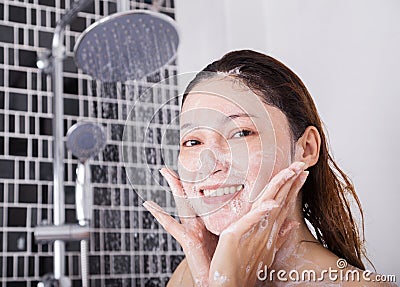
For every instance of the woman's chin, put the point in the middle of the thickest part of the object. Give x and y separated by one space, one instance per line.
216 223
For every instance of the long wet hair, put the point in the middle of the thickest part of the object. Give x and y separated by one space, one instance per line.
327 192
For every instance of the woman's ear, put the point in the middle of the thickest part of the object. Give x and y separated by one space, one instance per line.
308 146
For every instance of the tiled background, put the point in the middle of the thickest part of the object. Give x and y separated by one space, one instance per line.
127 247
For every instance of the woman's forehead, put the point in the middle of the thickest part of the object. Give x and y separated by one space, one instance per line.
225 95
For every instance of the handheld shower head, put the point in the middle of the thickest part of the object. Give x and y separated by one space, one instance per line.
127 45
85 140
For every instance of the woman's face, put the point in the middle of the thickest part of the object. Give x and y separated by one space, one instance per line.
231 145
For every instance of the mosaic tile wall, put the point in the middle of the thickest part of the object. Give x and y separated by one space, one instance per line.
127 246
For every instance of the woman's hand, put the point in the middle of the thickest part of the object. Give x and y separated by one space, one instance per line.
197 242
252 242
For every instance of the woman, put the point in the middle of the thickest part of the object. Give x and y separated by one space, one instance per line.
254 168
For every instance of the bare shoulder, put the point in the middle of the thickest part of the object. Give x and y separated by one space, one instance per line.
181 276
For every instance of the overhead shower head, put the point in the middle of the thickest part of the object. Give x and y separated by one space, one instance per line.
127 46
85 140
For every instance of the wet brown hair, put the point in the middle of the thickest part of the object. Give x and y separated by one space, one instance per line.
327 191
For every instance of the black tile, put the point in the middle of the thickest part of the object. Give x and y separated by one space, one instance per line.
1 55
1 145
22 124
28 193
94 265
71 107
111 153
44 104
11 123
45 39
1 192
149 222
7 168
27 58
89 9
18 79
11 52
10 192
70 216
17 216
46 171
45 194
18 146
1 100
122 264
69 194
50 3
150 242
78 25
33 16
6 34
102 196
17 14
32 125
112 218
69 65
31 38
10 267
21 168
18 102
53 19
31 266
35 148
70 85
112 7
16 241
152 282
45 126
99 174
113 282
112 241
45 264
34 103
20 36
20 269
1 11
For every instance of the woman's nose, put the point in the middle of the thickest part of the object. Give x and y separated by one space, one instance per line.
213 160
208 161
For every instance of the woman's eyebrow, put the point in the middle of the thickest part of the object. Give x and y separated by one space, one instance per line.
230 117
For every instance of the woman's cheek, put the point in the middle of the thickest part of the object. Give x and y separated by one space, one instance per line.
188 165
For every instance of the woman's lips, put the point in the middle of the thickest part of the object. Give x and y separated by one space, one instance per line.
221 195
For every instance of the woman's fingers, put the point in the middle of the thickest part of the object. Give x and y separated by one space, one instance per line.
181 200
173 181
279 180
284 233
280 234
168 222
246 224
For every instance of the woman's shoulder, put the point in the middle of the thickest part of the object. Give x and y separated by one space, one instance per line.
181 276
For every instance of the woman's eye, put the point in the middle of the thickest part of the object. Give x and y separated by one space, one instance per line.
190 143
242 133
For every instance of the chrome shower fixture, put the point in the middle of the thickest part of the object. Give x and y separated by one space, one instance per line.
127 45
85 140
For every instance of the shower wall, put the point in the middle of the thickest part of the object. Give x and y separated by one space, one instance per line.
127 246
